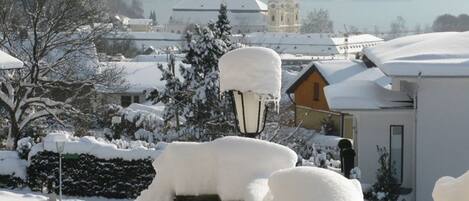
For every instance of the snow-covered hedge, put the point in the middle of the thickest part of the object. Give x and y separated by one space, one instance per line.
92 167
12 170
87 175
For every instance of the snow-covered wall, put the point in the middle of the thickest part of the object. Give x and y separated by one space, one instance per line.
373 129
226 167
11 164
442 132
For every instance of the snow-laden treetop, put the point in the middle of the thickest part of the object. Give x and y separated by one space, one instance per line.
252 69
434 54
9 62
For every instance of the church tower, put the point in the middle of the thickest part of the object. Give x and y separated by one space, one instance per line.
283 16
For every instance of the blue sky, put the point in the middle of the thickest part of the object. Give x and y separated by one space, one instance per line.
364 14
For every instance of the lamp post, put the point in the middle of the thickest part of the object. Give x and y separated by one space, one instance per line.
60 149
253 77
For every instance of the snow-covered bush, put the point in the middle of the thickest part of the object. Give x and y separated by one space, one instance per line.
225 167
94 167
355 173
303 141
24 146
105 114
452 189
386 187
310 183
87 175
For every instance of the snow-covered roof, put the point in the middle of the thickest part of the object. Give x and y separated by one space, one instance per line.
251 69
255 5
364 95
434 54
132 21
316 44
9 62
336 71
141 76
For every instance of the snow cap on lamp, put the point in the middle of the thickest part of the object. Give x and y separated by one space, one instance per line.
252 69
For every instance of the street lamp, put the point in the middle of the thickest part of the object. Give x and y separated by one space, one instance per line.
252 75
250 112
60 145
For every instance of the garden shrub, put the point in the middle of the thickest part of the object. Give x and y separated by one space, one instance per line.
87 175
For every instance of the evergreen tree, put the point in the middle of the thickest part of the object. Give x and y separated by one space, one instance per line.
153 17
223 27
196 97
386 188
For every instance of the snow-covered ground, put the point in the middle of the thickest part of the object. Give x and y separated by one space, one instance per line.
27 195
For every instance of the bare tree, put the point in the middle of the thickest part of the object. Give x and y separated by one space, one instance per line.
418 29
317 21
398 27
54 39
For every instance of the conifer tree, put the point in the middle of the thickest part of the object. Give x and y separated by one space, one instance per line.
386 188
223 27
196 96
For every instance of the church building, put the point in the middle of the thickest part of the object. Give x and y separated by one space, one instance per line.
246 16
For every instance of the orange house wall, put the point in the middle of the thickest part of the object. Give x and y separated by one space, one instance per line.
304 93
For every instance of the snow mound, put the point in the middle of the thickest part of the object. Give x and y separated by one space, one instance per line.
231 167
252 69
452 189
11 164
310 183
92 146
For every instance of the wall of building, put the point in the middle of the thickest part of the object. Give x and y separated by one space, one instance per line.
442 131
372 130
311 119
283 16
304 93
115 98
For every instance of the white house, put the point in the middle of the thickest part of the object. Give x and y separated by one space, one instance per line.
140 77
245 16
422 120
315 44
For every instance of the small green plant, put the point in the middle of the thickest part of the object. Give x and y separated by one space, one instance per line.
386 188
328 124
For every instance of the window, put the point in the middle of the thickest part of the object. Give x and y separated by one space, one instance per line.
316 91
126 101
136 99
281 18
273 18
396 150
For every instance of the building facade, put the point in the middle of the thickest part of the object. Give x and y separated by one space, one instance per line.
284 16
246 16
